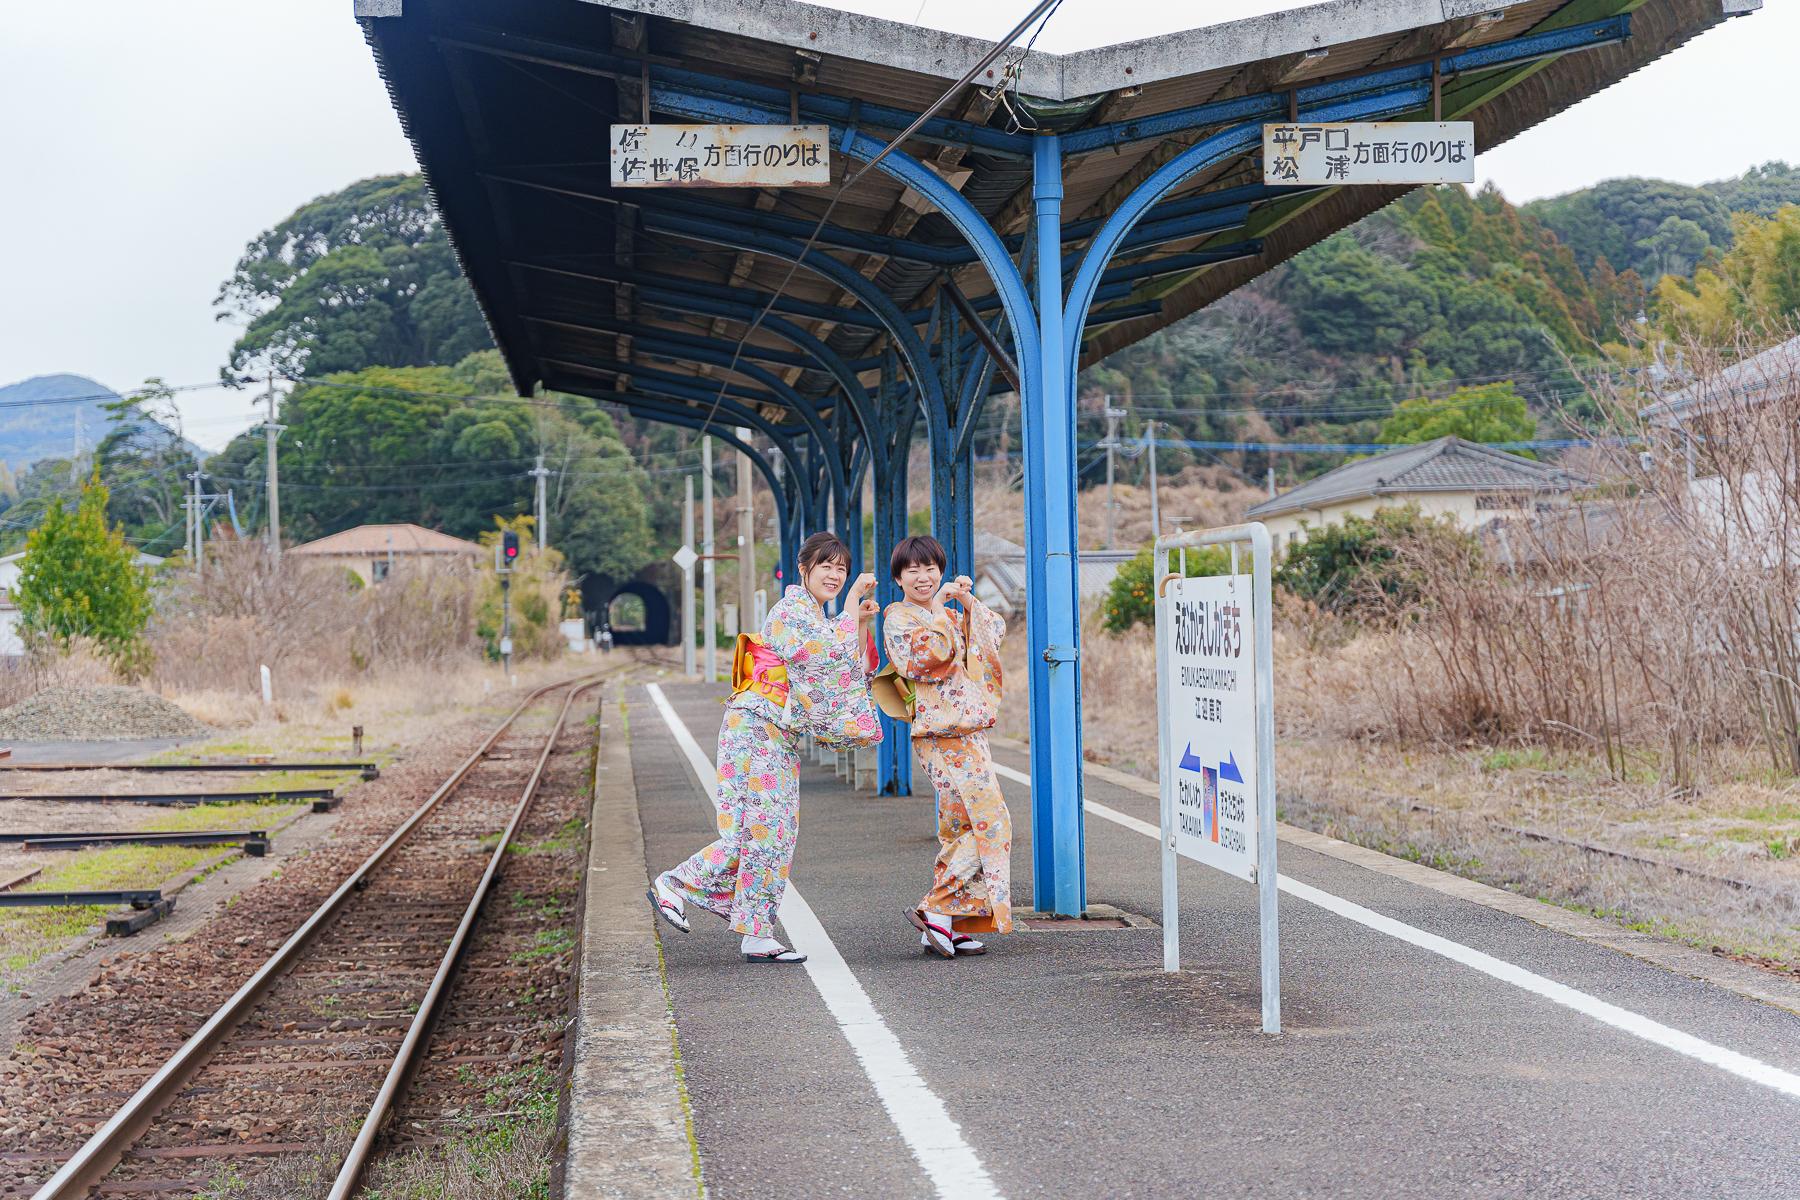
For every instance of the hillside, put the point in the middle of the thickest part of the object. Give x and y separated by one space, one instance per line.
1440 290
33 426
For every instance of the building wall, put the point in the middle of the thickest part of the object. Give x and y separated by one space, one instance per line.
1470 510
371 568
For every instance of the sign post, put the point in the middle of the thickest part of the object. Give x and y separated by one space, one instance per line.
721 156
1369 152
1215 708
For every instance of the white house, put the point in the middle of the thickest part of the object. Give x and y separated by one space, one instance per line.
1469 482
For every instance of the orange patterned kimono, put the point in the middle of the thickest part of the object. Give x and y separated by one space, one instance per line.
972 881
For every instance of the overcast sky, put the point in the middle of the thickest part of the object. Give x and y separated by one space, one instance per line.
144 142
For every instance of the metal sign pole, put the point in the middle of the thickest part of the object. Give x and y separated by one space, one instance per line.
1267 878
1199 631
1171 906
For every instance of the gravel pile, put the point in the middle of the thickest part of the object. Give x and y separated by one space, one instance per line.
102 714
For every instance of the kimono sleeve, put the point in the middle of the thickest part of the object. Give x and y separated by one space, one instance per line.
996 624
828 678
922 646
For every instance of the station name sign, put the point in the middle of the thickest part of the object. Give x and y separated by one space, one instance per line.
721 155
1369 152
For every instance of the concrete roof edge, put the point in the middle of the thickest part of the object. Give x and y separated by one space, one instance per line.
1052 76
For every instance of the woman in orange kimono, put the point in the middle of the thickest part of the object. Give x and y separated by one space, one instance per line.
928 643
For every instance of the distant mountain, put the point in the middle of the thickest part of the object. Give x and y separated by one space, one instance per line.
1658 228
38 417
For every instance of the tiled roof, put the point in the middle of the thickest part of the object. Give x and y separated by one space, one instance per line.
1448 464
1752 378
376 540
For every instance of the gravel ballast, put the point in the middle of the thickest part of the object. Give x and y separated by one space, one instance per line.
102 713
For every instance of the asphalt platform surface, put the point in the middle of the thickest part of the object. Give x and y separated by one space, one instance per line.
1073 1066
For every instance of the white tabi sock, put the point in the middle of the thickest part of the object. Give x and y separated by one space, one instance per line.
760 945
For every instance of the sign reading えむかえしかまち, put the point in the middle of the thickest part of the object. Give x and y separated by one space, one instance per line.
1369 152
1209 737
721 156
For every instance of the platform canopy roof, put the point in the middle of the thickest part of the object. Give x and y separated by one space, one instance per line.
508 104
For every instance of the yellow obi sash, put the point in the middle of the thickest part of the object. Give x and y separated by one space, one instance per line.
756 668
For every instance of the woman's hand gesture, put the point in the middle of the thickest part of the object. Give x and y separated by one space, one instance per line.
861 591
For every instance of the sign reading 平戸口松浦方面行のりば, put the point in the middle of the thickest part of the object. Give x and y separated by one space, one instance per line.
721 156
1369 152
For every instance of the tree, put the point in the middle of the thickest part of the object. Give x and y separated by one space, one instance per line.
1488 413
145 458
1755 285
1355 563
1131 597
360 278
80 580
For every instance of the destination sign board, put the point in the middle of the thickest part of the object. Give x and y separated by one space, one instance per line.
1369 152
1209 745
721 155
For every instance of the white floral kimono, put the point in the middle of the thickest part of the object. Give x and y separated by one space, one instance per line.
811 675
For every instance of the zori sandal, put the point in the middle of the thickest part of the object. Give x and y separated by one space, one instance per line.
937 939
781 954
668 911
966 944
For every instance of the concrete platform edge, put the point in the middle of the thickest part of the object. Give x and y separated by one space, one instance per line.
1726 973
630 1128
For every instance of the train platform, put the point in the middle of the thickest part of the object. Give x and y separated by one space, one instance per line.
1440 1038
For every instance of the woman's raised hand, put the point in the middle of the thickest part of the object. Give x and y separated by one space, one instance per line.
868 608
862 590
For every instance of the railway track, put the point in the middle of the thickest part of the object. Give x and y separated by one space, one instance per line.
328 1033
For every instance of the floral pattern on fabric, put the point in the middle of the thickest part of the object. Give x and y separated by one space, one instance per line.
827 673
743 874
972 880
928 648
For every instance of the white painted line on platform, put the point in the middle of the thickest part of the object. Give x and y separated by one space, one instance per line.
1741 1065
924 1123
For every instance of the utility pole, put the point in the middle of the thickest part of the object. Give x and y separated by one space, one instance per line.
1111 443
272 433
1271 481
687 583
1155 513
746 563
708 551
543 511
199 522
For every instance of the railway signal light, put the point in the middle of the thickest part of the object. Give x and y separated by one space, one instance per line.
509 546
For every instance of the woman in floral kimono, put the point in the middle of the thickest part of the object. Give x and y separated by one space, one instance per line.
805 673
971 888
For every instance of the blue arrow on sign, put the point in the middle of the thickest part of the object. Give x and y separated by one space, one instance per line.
1229 770
1189 760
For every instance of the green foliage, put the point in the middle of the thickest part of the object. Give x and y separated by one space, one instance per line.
449 448
1754 285
1618 220
1354 564
1131 598
79 580
363 277
144 460
1490 412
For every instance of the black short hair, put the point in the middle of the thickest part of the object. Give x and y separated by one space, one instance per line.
913 551
823 547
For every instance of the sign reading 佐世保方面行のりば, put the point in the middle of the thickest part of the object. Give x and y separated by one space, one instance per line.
721 156
1370 152
1209 739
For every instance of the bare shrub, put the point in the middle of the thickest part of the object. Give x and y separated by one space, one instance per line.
308 621
1655 616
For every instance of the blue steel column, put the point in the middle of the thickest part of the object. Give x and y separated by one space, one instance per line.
1059 853
893 765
